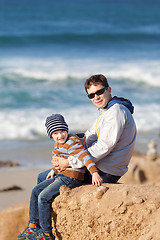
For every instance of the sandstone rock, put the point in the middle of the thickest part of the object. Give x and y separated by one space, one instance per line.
8 163
142 170
12 188
152 150
123 212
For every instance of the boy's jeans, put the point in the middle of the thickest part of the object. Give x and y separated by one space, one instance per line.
107 178
42 196
42 176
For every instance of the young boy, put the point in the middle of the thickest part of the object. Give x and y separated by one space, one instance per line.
40 224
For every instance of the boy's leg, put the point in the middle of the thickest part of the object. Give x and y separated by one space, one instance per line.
42 176
47 195
33 226
33 210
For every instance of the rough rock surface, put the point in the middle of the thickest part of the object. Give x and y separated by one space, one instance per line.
142 169
111 212
13 220
115 211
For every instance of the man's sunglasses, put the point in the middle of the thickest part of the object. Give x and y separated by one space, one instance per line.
98 92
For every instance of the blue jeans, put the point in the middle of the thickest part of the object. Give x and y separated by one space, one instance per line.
42 196
107 178
42 176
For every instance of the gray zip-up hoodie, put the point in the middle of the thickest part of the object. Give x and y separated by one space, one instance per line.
111 139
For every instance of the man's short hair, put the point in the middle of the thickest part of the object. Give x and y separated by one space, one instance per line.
95 80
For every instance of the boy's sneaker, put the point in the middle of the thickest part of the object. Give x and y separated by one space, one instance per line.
28 231
39 235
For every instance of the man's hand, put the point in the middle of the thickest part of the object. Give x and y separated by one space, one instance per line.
59 163
96 179
50 174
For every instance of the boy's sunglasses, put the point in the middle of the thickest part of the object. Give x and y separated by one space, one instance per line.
99 92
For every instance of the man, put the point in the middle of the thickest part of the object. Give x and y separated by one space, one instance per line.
111 139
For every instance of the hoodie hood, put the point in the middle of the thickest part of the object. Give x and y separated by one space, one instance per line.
127 103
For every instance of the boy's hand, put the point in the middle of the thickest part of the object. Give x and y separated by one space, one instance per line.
96 179
50 174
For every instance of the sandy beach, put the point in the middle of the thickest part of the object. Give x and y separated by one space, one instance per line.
22 178
31 158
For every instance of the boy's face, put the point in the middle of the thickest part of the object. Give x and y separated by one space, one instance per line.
60 136
100 101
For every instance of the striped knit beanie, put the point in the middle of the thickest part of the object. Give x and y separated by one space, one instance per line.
55 122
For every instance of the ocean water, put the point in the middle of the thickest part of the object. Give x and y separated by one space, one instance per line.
47 50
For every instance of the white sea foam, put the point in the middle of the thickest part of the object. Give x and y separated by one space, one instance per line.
148 117
29 124
18 122
147 72
53 69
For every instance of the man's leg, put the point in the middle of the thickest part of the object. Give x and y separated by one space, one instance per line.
108 178
87 177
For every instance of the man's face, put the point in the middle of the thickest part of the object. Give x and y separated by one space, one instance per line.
100 101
